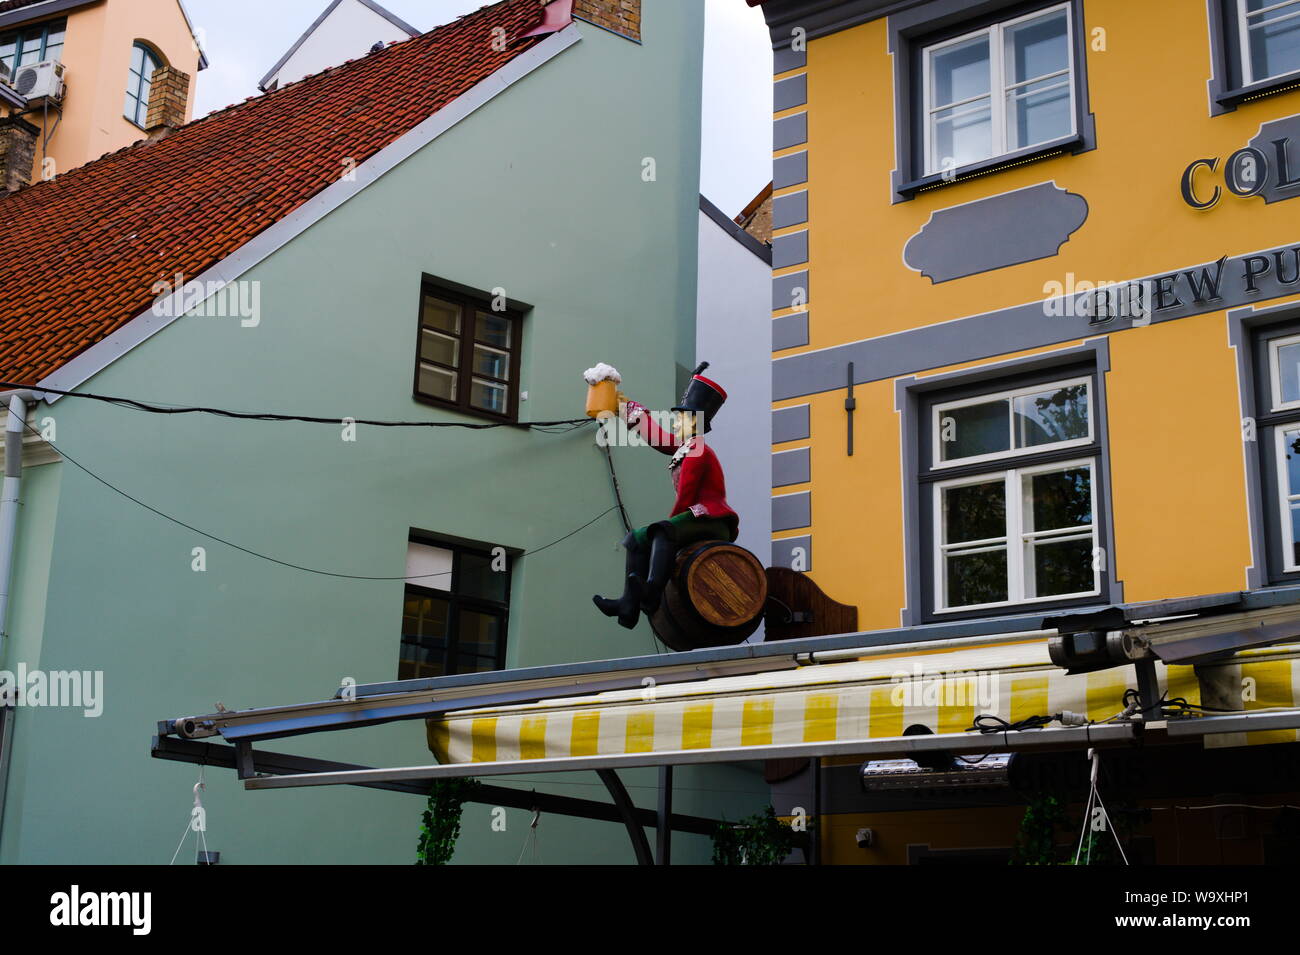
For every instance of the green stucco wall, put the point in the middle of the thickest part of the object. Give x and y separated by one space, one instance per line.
540 192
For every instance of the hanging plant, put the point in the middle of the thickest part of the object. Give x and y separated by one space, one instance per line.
440 823
761 839
1036 841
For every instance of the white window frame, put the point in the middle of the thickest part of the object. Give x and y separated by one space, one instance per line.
998 87
1285 497
1275 372
1248 77
1016 572
936 456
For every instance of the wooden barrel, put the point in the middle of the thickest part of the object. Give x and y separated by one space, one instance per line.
715 598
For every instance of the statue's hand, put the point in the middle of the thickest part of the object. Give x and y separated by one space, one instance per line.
633 411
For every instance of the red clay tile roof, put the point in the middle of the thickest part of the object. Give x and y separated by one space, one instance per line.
80 254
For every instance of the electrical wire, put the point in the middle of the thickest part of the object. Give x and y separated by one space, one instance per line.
560 426
267 557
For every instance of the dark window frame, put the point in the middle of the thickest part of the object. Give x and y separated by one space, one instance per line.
1267 423
911 31
458 601
470 301
927 475
139 83
1228 87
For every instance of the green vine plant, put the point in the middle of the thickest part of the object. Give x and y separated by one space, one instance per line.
760 839
1045 817
440 822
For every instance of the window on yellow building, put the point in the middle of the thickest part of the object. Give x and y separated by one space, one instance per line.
1006 87
1269 36
1014 497
1279 442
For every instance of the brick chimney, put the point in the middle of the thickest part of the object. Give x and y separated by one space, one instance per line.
618 16
17 153
167 99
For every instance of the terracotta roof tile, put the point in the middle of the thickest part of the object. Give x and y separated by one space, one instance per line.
82 251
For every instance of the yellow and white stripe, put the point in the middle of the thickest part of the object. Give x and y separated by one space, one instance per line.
859 699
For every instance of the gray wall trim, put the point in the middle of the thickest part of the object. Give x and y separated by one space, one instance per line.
790 92
1051 321
733 229
784 288
790 131
790 210
790 249
783 552
790 170
791 467
784 60
995 232
139 329
1219 82
1241 322
908 395
40 10
914 20
823 17
790 331
792 511
790 424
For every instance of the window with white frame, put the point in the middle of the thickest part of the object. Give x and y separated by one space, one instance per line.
1016 522
998 90
1268 32
1282 415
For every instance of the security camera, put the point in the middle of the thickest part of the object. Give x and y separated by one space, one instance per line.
866 838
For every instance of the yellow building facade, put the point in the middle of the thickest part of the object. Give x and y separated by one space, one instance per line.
1036 314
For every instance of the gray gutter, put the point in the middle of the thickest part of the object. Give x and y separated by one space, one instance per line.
390 17
15 421
729 226
11 96
39 10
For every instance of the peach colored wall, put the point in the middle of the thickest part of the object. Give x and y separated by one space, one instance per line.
97 54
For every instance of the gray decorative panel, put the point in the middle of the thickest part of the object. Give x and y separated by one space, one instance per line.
790 170
790 424
783 553
791 467
785 289
993 233
787 94
785 60
790 249
790 131
790 331
791 511
790 210
1266 142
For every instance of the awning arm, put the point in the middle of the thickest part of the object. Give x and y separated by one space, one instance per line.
1002 742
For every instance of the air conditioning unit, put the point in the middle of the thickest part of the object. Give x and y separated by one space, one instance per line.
39 81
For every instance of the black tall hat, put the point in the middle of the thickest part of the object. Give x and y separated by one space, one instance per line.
703 396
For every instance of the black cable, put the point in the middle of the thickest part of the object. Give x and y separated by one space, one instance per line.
561 426
275 560
988 723
618 493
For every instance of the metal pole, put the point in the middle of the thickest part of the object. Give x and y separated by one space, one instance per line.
15 421
664 834
628 811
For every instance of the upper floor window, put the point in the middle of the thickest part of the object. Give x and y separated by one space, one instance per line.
1269 34
455 611
139 83
468 355
1013 501
998 90
1278 423
33 44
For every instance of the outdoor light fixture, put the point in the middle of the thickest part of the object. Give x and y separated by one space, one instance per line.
884 775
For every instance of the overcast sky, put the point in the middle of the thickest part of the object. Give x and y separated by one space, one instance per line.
244 39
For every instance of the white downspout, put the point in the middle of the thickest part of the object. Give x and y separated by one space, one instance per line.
15 420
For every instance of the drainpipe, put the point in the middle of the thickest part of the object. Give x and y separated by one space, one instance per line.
14 422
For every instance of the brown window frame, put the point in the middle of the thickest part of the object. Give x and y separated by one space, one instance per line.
469 302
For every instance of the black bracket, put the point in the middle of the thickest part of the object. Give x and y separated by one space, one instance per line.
850 406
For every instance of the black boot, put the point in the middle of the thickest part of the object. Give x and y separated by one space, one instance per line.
663 555
628 607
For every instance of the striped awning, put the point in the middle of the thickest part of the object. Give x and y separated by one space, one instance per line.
878 695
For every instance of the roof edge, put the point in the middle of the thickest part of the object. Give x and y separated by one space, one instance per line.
149 322
733 229
368 4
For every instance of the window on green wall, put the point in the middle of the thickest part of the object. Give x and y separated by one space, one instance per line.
139 84
455 610
32 44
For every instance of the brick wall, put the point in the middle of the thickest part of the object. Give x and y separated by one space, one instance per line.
619 16
17 153
167 98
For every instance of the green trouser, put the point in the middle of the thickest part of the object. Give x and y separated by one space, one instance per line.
685 529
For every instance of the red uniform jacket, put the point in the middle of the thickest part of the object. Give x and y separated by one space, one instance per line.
697 473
